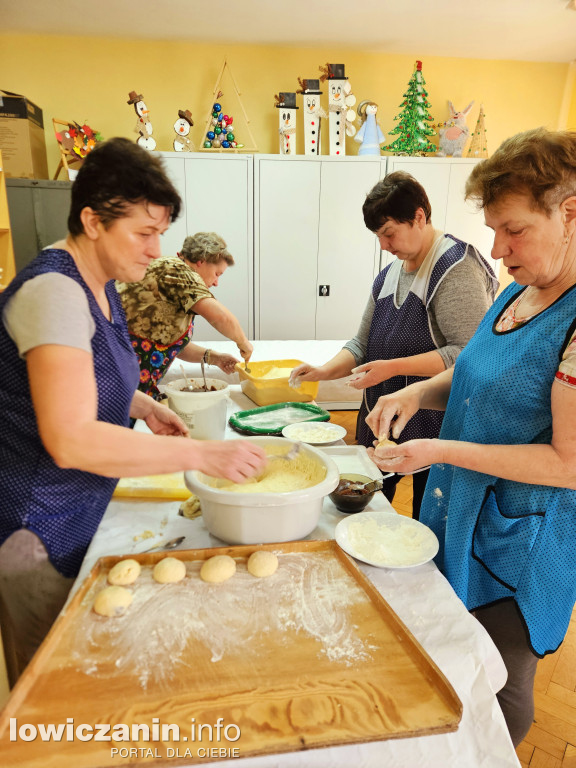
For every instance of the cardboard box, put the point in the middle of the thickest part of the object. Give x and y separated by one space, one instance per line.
22 137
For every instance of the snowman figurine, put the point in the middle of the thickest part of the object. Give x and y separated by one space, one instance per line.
313 114
286 106
340 101
143 125
182 128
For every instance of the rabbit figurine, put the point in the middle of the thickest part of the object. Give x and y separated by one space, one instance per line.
454 133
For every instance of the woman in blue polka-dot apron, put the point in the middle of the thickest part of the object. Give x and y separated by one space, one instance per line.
69 387
422 310
501 495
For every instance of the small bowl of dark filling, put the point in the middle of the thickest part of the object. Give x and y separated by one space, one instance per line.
352 494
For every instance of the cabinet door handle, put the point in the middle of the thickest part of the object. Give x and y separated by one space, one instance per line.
323 290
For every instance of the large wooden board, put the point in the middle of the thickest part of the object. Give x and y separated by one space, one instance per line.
309 657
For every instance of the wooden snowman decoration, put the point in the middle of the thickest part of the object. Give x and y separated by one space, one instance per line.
286 106
182 128
143 125
313 114
340 101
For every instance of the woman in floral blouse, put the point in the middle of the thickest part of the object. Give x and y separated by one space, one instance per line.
160 310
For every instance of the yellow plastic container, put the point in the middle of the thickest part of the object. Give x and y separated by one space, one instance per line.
268 391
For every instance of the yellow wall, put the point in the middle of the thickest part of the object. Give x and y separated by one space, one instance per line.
88 79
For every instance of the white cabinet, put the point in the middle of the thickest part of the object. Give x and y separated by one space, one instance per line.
305 261
217 193
314 259
444 180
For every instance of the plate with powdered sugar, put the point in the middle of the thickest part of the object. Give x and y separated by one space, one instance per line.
385 540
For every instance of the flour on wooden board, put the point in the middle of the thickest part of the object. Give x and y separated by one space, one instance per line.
305 595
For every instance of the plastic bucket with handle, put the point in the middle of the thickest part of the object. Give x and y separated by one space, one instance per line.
204 413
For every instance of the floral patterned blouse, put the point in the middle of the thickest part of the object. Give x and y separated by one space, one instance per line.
566 373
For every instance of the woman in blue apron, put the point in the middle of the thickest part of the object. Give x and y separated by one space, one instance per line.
69 388
501 495
422 310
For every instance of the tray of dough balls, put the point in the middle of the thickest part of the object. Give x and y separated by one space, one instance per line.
290 642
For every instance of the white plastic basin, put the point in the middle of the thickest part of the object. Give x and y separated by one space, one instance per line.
264 518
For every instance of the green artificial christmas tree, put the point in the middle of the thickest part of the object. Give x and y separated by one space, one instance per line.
412 130
479 145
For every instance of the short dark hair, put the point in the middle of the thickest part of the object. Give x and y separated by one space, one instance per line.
538 163
115 175
397 196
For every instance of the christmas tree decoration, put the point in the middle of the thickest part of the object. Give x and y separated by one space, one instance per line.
478 144
313 114
412 129
220 134
143 125
454 132
286 106
340 103
182 128
370 135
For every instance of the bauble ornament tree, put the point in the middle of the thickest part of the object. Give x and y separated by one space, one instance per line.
413 129
220 134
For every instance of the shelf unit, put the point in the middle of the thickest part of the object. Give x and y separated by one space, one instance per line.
7 266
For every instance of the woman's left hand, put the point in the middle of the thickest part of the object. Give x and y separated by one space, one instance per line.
163 421
370 374
226 363
406 457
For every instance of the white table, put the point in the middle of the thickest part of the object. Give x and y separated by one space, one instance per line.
424 601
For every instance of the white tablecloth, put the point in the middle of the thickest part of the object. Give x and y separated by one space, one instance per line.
424 601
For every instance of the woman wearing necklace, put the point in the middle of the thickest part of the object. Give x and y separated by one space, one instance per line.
421 312
501 496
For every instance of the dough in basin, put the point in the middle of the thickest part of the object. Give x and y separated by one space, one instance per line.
217 569
262 563
112 601
124 572
169 570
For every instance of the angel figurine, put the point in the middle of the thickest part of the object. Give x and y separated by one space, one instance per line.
369 136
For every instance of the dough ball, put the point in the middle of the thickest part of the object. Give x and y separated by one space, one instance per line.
169 570
112 601
217 569
385 441
262 563
190 508
124 572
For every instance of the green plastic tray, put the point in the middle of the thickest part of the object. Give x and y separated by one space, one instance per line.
271 419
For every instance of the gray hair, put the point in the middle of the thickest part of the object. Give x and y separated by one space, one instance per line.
206 246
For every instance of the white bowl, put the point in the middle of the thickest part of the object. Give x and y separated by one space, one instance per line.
314 432
264 518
